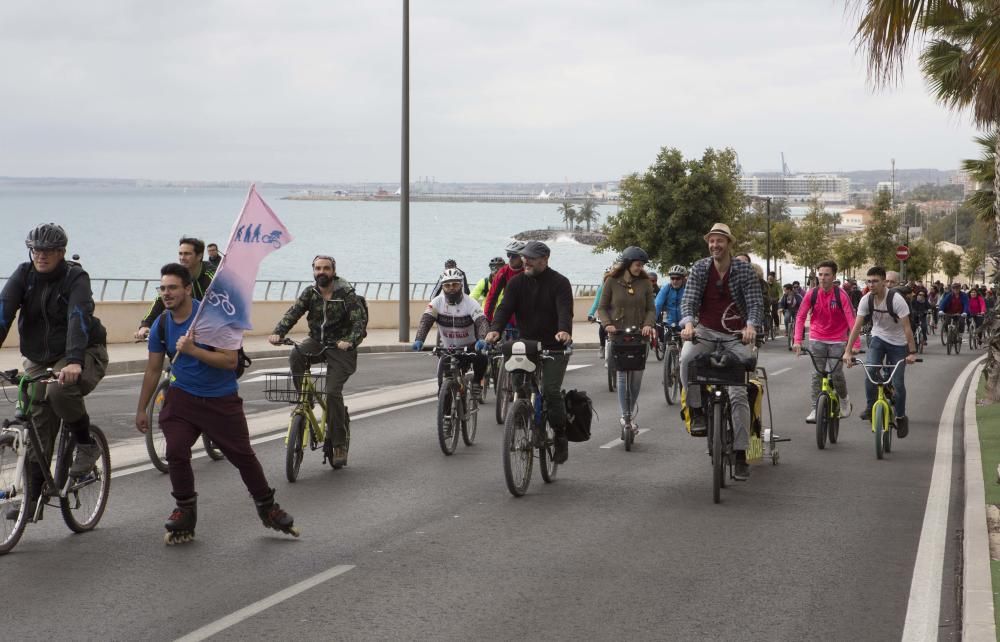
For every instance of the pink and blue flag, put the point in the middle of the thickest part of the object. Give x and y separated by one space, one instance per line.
225 311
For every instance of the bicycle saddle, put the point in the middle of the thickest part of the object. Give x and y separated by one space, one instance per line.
520 355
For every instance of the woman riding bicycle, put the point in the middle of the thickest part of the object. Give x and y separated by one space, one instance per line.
627 302
977 308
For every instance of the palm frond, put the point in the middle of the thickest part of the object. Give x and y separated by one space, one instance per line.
885 33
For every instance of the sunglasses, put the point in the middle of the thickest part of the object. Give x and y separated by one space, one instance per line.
676 278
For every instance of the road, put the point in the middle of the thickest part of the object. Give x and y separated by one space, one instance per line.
405 543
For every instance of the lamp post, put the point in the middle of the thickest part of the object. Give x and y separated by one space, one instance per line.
767 259
404 188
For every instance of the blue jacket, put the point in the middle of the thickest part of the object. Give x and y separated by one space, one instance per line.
597 299
669 297
946 299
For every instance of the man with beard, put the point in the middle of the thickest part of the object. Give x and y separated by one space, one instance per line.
337 319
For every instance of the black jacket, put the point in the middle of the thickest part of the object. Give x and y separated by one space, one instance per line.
543 306
56 317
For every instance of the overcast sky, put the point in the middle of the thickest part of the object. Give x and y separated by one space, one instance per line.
515 90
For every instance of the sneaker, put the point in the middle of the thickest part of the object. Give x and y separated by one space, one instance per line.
866 414
741 470
86 456
811 417
902 427
846 407
561 453
339 457
699 426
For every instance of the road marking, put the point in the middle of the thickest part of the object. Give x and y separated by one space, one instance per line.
619 441
923 611
246 612
778 372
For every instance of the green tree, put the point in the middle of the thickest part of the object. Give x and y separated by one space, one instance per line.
850 253
880 237
919 264
667 209
812 239
751 227
569 214
984 170
973 261
588 214
951 265
782 239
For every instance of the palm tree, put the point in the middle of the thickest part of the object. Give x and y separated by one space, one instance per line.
983 171
588 214
569 214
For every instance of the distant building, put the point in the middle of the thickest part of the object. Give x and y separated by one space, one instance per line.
826 187
964 179
887 186
856 218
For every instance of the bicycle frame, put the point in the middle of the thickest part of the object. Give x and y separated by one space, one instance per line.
826 381
306 408
880 384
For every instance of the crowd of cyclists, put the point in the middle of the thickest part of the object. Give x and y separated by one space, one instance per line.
722 299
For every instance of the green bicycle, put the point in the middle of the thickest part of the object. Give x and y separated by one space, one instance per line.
883 415
827 401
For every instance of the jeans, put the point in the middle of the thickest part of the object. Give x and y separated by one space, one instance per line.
825 355
878 351
634 378
737 394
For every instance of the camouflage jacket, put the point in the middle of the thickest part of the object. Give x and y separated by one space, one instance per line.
341 318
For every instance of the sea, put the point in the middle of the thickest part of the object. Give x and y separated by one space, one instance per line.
124 232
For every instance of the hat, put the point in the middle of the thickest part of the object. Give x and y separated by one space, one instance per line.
723 229
534 250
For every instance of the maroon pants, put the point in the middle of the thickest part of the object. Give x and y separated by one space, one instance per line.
184 417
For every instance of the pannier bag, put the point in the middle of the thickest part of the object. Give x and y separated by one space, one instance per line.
579 413
629 352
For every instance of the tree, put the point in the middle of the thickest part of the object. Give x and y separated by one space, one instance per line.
588 214
850 253
751 227
983 170
668 209
812 239
880 237
569 214
919 264
951 265
973 262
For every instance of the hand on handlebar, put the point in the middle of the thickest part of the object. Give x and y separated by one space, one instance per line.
649 332
688 332
418 346
491 337
797 349
70 374
141 334
749 334
275 340
564 337
610 329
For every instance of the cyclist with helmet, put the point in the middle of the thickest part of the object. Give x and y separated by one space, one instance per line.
55 320
189 254
503 276
461 324
483 287
669 299
450 264
627 302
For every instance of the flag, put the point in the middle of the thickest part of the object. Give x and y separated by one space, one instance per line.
225 311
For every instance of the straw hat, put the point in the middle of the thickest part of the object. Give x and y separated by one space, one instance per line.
721 229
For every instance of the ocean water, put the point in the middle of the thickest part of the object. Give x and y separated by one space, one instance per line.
125 232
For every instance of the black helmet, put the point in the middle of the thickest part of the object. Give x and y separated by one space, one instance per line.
47 236
634 253
497 261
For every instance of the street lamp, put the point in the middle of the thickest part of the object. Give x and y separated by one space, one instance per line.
404 188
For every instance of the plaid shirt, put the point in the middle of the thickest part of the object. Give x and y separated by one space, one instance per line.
744 287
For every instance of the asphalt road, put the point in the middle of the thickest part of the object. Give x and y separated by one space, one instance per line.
624 545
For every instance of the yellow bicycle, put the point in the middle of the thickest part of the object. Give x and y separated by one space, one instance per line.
883 415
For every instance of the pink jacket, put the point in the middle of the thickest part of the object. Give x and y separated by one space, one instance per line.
829 322
977 306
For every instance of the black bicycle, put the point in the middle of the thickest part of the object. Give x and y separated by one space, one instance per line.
82 499
672 367
457 407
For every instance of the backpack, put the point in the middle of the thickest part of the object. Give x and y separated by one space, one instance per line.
815 293
580 414
242 360
888 306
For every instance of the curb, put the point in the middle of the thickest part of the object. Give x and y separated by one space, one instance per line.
977 587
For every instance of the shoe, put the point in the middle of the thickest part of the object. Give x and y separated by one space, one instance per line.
846 407
339 457
699 426
561 453
811 417
902 427
741 469
86 456
866 414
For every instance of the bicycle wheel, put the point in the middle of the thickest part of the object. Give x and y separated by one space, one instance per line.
887 440
879 420
156 443
447 419
822 408
470 420
944 335
833 425
503 396
14 492
293 447
718 459
921 342
84 503
660 348
958 343
517 450
211 449
546 457
670 382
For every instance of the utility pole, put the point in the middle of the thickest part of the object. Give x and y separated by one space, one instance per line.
892 208
404 188
767 259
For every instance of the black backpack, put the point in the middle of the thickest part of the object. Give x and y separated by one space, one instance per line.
242 360
815 293
888 306
579 413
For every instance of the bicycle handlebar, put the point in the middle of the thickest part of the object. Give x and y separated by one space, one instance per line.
878 366
14 378
823 373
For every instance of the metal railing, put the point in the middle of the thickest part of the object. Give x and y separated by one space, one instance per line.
273 289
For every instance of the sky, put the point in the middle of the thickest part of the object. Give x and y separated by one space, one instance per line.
512 91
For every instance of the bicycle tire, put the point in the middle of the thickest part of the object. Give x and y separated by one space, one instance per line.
887 440
718 461
211 449
502 402
833 427
12 530
879 419
948 346
156 443
87 498
546 457
470 420
669 385
447 419
660 349
293 447
958 344
822 408
517 453
944 335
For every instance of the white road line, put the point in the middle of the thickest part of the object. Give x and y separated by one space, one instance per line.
246 612
923 611
619 442
778 372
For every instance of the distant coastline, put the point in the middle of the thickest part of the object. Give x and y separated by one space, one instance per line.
547 235
450 198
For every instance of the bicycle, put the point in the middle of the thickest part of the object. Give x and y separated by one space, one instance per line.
526 430
973 325
658 342
502 387
82 499
274 238
827 401
950 335
919 335
789 329
609 364
304 427
456 404
156 442
672 367
630 354
883 415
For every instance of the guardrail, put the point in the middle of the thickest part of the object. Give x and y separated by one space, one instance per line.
122 289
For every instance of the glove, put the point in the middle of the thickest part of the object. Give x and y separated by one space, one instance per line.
480 346
417 346
590 317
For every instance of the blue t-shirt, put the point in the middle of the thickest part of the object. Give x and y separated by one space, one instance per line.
187 373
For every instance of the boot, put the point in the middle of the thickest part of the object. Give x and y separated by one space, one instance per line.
272 516
180 525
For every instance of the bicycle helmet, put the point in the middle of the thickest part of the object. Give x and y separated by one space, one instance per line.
678 270
634 253
452 275
47 236
514 247
497 261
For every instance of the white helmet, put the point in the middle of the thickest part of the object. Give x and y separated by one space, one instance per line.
514 247
452 274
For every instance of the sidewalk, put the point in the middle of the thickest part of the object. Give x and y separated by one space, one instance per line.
131 357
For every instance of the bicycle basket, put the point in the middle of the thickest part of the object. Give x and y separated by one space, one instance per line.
629 352
284 388
708 369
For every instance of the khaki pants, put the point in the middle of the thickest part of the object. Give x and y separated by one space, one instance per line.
340 365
